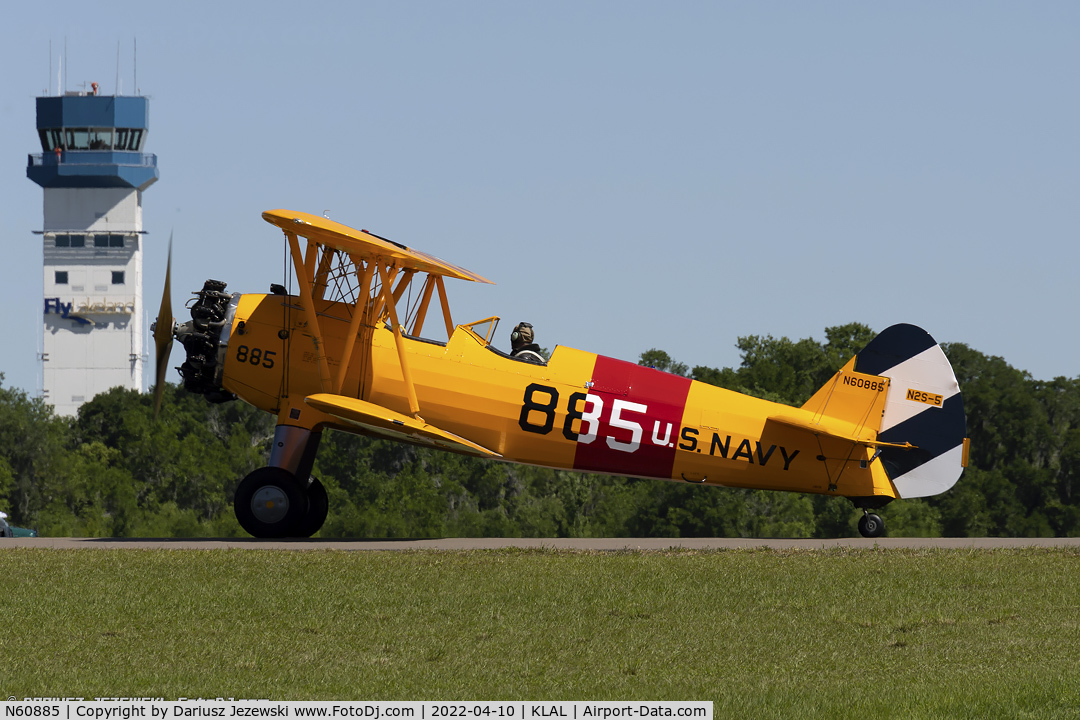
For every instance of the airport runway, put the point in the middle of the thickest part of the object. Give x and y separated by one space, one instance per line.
580 544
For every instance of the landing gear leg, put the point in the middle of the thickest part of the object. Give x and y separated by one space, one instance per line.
871 525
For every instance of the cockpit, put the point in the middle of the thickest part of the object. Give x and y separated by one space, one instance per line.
484 331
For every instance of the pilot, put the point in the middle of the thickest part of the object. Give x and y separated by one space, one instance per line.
523 347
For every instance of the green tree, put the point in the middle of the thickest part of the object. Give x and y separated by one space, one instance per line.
34 455
115 470
662 361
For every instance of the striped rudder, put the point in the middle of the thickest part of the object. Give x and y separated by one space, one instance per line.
923 407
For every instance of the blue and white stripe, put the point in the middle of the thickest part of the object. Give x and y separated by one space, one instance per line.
912 360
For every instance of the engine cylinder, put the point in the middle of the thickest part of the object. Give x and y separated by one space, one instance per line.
201 338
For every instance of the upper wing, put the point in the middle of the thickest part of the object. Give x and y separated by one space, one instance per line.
362 244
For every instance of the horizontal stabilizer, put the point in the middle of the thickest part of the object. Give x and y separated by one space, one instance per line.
385 422
817 428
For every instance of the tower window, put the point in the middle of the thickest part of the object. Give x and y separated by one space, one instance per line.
117 277
78 138
116 240
70 241
100 138
128 139
65 240
50 139
61 277
101 241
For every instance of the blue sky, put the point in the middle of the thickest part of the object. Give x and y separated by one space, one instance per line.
631 175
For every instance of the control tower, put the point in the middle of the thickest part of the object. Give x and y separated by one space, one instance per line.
93 170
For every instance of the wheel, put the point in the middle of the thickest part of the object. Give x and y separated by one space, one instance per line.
871 525
270 504
318 506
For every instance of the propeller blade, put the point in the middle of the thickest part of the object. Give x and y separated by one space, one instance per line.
163 333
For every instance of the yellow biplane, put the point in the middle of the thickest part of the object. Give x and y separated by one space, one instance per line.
348 351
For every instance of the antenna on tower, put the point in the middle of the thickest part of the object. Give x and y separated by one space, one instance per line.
50 66
64 87
135 66
116 87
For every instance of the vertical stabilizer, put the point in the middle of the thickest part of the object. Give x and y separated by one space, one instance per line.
923 407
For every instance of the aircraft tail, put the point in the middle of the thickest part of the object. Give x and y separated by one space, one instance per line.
922 437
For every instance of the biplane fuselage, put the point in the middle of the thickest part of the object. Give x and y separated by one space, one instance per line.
347 351
581 411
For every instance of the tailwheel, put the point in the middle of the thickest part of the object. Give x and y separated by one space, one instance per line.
318 507
871 525
270 503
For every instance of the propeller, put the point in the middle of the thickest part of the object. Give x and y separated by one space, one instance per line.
163 334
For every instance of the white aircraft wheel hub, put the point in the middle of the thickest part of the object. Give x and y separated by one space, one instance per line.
269 504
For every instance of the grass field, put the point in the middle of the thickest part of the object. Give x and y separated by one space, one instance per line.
763 634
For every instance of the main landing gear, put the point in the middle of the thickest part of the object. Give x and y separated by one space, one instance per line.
272 502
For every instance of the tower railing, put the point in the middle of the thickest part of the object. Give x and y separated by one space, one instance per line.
92 157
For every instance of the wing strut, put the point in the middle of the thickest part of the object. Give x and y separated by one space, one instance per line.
388 300
425 300
309 306
379 304
364 276
402 284
445 306
325 263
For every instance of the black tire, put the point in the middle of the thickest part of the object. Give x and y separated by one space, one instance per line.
318 507
871 525
270 504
